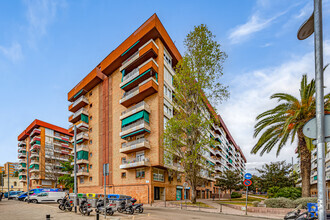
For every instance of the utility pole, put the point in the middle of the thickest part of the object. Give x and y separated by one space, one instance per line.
319 85
75 167
28 175
8 178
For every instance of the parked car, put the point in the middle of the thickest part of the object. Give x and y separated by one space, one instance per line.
12 193
14 196
47 197
36 191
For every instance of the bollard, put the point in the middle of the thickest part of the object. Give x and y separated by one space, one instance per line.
97 216
199 206
220 207
47 217
181 205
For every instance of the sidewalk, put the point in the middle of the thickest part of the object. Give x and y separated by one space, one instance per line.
216 209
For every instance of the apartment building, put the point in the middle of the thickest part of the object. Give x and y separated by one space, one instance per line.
120 110
11 168
48 146
2 169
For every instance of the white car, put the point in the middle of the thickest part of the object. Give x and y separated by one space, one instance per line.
47 197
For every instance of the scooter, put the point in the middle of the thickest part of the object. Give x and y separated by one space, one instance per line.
137 207
297 215
100 209
85 207
123 206
65 205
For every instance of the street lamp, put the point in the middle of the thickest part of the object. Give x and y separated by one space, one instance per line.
314 24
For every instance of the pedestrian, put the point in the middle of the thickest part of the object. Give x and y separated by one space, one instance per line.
213 196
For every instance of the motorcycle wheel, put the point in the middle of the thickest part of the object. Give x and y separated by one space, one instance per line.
120 210
70 209
130 211
140 210
61 207
109 212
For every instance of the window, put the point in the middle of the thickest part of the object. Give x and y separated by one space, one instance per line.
49 132
140 173
91 105
140 156
91 141
90 154
90 118
178 178
91 93
167 57
168 92
168 110
123 175
158 175
168 76
165 122
81 179
123 160
15 184
90 179
90 166
90 130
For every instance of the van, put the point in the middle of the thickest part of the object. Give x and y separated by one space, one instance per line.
47 197
36 191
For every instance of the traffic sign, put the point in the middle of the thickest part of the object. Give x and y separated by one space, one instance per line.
247 176
247 182
309 128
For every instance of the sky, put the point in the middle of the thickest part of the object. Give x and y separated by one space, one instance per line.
48 46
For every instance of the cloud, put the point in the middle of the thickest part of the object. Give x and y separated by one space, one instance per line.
255 24
13 53
250 94
40 14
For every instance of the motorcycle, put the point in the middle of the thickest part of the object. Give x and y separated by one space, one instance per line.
123 206
65 205
85 207
137 207
297 215
100 209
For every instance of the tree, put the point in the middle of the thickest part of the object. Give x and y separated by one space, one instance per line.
285 122
276 174
16 174
229 180
196 81
67 180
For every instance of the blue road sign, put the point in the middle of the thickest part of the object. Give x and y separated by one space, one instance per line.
247 176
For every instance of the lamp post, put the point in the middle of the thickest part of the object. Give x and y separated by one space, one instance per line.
314 24
75 167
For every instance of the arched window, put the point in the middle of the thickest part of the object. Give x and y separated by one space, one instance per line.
15 184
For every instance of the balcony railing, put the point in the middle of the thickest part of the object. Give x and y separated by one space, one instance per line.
21 143
34 162
78 113
135 124
81 172
22 155
36 138
34 155
34 177
135 163
134 73
130 58
138 105
131 146
81 99
130 94
35 131
140 126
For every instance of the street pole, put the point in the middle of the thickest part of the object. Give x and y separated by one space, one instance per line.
318 46
28 175
75 167
2 182
105 190
8 179
246 200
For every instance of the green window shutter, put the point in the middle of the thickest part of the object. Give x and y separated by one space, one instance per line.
23 164
135 117
84 118
82 155
30 167
37 166
38 142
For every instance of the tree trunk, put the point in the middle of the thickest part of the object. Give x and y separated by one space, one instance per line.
305 164
230 194
193 194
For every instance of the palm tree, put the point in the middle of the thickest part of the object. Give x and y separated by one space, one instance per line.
285 122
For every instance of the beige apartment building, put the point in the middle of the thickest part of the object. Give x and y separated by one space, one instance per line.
47 146
11 168
120 110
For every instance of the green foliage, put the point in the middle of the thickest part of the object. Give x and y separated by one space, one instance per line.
229 180
16 174
255 203
236 195
284 123
275 174
289 192
279 203
196 80
302 202
67 180
272 191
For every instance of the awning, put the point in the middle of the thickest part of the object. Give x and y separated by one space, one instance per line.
211 163
135 117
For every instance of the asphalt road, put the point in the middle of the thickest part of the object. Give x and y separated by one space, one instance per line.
15 210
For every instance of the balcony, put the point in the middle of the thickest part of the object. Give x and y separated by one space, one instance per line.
145 52
211 151
139 74
21 149
82 172
35 147
34 177
34 155
82 147
175 166
135 163
78 104
77 115
134 109
137 145
80 125
22 161
34 132
218 153
218 168
62 158
217 176
36 138
139 93
138 127
22 155
34 170
81 137
21 143
20 167
34 162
